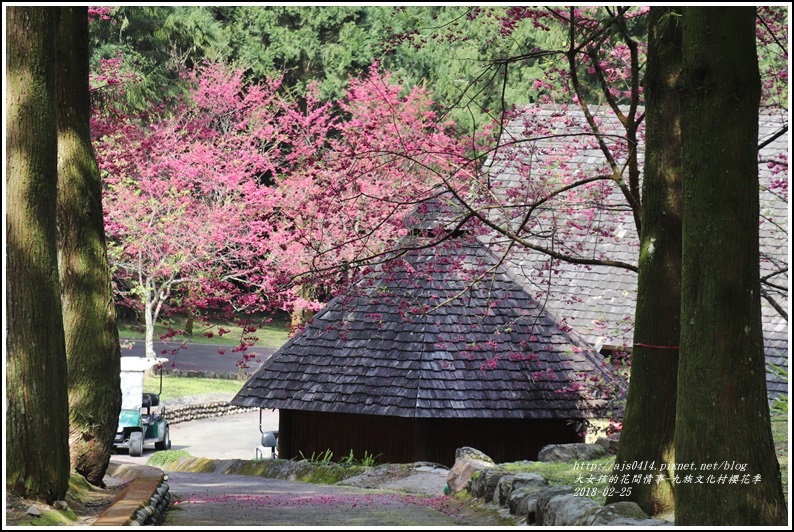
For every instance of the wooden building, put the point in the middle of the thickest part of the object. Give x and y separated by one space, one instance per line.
386 369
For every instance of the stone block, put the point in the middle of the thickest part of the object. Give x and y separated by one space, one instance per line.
570 452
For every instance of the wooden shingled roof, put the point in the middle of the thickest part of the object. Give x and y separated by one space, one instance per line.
387 347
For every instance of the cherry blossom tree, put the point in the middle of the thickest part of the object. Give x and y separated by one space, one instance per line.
239 197
184 198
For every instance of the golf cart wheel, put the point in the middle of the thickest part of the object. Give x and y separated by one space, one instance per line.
136 444
165 444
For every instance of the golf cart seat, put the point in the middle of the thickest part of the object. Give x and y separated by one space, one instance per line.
150 399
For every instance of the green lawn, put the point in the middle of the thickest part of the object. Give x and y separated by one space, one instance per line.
272 334
174 387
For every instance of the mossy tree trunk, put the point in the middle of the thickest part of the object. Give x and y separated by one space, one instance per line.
722 415
649 418
37 422
92 342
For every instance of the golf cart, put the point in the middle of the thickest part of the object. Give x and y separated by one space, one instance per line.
138 424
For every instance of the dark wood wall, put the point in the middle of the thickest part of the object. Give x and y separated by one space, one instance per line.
405 440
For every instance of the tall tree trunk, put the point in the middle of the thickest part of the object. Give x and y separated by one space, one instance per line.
649 418
722 415
153 298
37 420
92 341
302 316
190 319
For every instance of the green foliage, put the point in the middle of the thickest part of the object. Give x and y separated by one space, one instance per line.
780 405
304 44
349 459
456 57
440 47
368 460
156 43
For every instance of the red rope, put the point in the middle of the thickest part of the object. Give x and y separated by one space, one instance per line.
649 346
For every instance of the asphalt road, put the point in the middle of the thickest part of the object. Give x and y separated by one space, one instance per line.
226 437
219 438
201 357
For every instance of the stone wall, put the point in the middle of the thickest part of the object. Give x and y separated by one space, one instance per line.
142 501
153 512
201 374
529 497
180 414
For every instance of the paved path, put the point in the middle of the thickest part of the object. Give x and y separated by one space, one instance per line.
205 499
225 437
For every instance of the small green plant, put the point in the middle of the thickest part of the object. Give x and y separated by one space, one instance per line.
780 404
324 458
349 459
368 460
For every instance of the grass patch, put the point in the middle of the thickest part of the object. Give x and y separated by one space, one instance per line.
174 387
54 518
162 458
191 464
563 474
271 334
